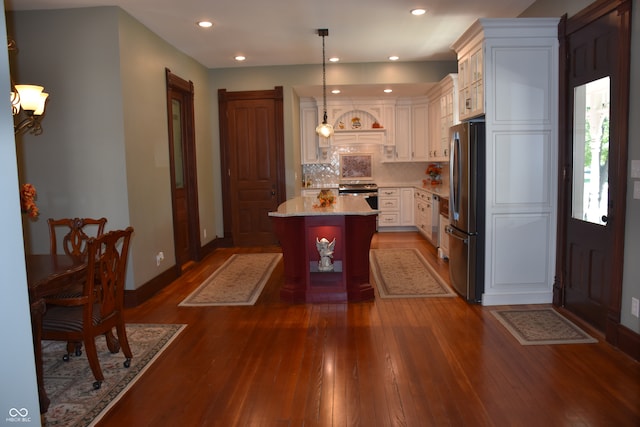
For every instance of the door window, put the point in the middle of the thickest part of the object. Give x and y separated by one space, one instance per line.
591 151
176 114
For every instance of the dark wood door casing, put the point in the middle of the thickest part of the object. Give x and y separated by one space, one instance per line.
184 197
594 43
252 160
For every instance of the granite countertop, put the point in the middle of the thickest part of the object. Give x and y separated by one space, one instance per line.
304 206
439 190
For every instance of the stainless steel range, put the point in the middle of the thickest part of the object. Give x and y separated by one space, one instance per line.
367 190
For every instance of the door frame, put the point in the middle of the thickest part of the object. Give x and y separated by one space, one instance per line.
223 98
617 197
190 173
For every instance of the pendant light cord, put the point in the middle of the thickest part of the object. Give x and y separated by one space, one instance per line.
324 84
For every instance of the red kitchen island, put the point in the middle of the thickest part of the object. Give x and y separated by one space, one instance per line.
325 249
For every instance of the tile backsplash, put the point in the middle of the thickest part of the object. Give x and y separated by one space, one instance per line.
328 174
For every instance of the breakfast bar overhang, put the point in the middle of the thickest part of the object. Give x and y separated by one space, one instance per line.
325 249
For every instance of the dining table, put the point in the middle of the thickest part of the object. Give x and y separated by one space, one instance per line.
48 275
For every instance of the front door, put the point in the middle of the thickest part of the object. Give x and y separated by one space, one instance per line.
594 158
183 170
252 145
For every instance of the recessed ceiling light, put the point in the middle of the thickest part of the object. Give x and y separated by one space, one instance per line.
205 24
394 58
240 58
335 91
418 12
334 59
388 90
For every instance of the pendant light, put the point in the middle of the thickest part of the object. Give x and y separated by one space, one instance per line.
324 129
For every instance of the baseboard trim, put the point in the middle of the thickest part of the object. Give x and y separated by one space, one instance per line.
629 342
139 295
135 297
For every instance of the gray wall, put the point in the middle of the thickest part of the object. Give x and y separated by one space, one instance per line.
104 151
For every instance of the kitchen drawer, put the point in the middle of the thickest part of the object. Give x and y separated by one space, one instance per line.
388 203
391 218
423 195
388 192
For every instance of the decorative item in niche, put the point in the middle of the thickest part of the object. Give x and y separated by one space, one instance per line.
356 166
355 123
376 125
325 249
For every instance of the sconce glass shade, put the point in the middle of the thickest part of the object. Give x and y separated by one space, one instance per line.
32 99
324 129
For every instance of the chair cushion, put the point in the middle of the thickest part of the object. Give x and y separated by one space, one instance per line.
66 319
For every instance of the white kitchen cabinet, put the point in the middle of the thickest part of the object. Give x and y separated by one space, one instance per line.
411 132
396 206
443 114
313 149
470 83
420 131
513 64
401 150
448 112
425 212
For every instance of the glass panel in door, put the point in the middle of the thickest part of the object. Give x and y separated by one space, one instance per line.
591 151
176 115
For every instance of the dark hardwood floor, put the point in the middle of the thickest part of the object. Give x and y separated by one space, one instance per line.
399 362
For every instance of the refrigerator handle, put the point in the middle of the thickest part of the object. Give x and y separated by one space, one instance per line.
451 232
454 176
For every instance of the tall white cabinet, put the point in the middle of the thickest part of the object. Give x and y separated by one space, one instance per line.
508 72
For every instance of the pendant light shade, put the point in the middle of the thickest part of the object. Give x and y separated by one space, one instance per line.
324 129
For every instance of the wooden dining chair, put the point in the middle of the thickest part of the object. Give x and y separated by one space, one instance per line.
73 234
100 307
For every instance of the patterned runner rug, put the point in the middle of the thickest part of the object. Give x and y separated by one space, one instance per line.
69 385
404 273
541 326
239 281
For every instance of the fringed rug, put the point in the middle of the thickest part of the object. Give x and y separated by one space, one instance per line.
69 385
239 281
404 273
541 326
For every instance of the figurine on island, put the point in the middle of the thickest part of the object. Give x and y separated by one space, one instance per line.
325 249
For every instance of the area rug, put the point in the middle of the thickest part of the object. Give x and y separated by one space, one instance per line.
404 273
69 385
541 326
239 281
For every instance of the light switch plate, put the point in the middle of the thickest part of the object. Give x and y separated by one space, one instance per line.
635 168
636 189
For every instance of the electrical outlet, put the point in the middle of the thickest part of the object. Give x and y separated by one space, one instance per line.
159 258
635 307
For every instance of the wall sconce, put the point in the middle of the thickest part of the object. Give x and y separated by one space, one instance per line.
29 101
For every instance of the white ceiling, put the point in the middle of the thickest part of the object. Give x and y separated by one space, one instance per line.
284 32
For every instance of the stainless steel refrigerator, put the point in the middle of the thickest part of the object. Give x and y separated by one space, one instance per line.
466 209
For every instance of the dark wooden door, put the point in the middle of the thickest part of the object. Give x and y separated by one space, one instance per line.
251 138
183 170
593 190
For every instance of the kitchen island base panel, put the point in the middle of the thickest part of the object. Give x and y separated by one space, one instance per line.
349 282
